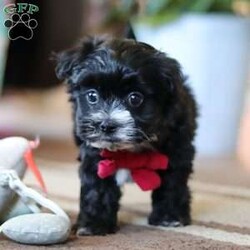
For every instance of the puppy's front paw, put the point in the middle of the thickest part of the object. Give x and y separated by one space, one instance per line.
93 230
166 221
83 231
173 223
80 230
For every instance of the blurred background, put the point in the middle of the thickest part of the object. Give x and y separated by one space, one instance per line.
210 38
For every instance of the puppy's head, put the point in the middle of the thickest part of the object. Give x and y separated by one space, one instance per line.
123 92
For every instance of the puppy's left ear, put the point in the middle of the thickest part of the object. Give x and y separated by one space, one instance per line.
172 73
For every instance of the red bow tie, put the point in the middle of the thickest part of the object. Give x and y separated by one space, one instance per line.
143 166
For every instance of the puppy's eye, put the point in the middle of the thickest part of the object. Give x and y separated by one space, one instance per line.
135 99
92 97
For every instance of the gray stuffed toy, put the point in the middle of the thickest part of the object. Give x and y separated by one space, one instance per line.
20 211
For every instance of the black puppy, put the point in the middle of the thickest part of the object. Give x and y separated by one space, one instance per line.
128 96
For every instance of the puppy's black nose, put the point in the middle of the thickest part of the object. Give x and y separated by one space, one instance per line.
108 127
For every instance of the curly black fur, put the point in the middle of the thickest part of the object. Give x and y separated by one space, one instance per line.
117 67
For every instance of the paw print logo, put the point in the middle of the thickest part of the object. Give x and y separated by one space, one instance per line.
20 26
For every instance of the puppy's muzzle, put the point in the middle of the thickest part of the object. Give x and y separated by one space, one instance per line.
108 127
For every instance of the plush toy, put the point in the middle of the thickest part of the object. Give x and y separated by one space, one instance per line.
20 206
142 166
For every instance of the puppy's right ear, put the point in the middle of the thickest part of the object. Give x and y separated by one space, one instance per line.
67 61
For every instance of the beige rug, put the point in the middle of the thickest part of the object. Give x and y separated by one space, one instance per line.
221 211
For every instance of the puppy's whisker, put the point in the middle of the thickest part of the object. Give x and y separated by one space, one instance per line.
143 134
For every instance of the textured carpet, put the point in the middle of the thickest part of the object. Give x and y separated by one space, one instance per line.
221 205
